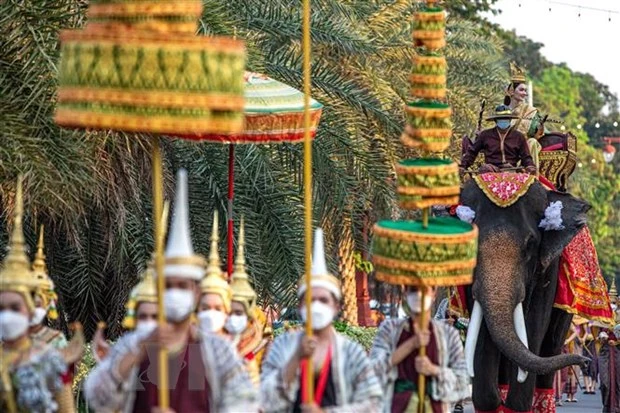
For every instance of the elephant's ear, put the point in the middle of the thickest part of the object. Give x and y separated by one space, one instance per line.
573 219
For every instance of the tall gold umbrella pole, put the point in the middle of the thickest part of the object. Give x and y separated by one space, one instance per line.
307 190
158 197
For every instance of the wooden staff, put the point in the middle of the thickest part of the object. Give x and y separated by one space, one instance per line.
158 196
309 390
422 327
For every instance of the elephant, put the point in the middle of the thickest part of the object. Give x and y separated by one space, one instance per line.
515 335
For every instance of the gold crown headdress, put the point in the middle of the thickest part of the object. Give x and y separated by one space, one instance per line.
45 286
242 291
517 74
214 282
144 292
16 274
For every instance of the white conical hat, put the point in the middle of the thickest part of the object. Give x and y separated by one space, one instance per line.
320 275
180 258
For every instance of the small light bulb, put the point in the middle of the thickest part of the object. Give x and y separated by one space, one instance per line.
597 125
579 126
563 127
615 124
593 160
580 165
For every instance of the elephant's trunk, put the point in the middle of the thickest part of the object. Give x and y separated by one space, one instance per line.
500 323
500 289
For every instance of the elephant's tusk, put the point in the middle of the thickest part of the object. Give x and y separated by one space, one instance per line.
519 320
472 337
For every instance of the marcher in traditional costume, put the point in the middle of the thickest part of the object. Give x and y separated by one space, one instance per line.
45 302
34 376
503 146
609 369
243 324
205 373
395 354
216 294
590 374
345 380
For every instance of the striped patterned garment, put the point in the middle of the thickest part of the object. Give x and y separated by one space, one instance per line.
452 384
230 388
356 385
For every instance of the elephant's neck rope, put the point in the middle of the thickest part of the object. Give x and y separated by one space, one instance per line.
502 138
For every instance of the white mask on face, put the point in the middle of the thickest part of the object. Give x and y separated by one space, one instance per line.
414 301
12 325
178 304
38 316
322 315
236 324
144 328
212 321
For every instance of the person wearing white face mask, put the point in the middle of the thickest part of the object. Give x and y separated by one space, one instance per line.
206 374
395 355
344 378
34 376
244 322
503 146
214 305
44 303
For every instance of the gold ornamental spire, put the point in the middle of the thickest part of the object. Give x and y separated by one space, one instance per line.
16 274
242 290
38 266
214 265
613 292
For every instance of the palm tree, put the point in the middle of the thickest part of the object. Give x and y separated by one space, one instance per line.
92 189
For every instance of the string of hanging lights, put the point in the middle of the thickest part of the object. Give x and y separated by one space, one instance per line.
580 8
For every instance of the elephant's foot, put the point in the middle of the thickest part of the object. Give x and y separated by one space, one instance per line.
503 391
502 409
544 401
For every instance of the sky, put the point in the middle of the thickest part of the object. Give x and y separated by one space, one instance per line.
589 43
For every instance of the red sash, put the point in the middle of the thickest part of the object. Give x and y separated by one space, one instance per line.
323 376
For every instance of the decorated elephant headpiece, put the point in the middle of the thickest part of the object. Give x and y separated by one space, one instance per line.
563 216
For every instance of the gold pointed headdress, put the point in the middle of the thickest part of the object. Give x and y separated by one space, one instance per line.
16 274
214 282
242 291
517 74
144 292
45 285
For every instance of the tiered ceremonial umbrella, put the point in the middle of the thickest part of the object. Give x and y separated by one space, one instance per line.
274 113
433 251
137 66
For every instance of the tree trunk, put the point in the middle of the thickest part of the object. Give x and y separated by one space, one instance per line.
346 266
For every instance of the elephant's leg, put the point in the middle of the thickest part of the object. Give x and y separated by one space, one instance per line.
505 366
485 394
551 346
538 309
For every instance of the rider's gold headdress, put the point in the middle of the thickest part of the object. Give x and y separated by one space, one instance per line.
517 74
144 292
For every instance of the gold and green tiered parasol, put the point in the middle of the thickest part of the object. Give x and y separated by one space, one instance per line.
137 66
432 251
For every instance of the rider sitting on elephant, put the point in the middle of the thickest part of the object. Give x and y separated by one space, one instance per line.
503 146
